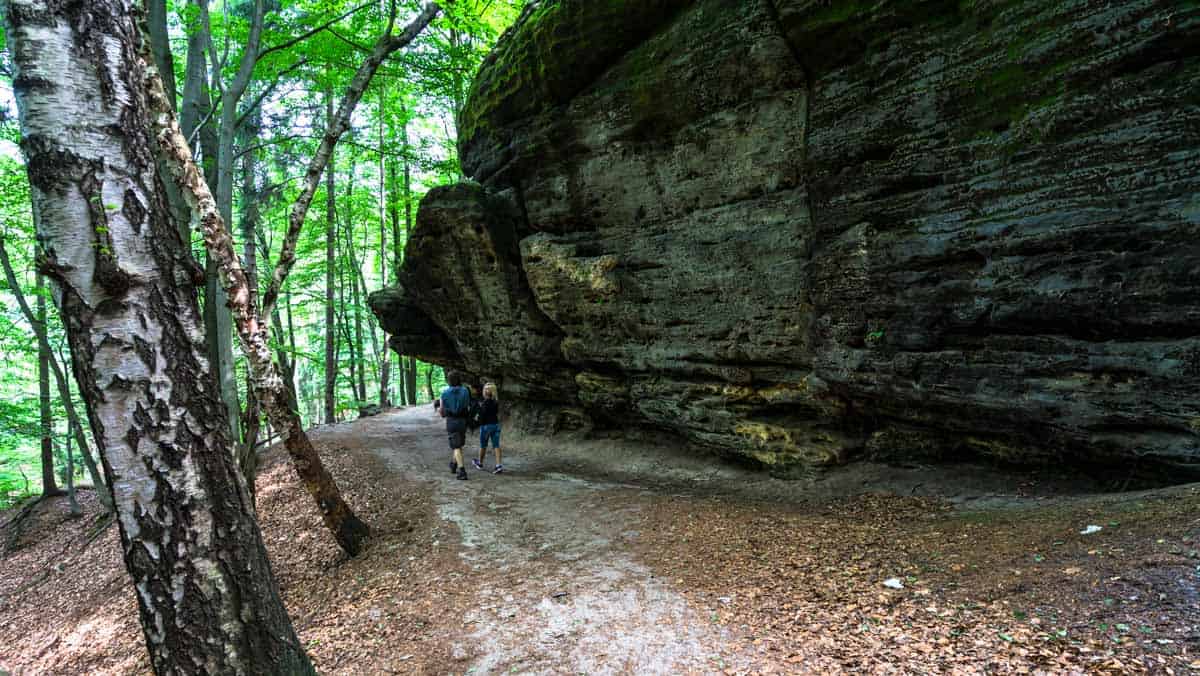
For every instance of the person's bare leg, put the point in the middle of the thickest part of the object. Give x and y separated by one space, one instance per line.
458 457
497 456
482 453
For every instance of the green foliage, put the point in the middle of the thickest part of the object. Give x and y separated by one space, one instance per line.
408 117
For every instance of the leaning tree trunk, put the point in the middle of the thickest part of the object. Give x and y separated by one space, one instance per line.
205 591
350 532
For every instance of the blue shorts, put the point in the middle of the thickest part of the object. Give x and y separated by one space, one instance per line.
489 432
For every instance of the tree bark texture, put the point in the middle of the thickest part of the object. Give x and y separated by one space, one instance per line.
207 598
347 529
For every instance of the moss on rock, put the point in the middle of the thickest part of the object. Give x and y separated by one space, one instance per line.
556 48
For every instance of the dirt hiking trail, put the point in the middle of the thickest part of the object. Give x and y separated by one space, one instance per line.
607 557
600 557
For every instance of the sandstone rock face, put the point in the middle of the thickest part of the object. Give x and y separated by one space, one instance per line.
802 231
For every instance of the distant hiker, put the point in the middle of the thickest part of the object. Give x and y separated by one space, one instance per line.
455 403
489 427
437 404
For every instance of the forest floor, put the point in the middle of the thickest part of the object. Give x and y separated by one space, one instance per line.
593 557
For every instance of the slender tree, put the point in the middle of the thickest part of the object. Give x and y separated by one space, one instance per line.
247 451
348 530
385 362
206 595
49 487
64 390
331 362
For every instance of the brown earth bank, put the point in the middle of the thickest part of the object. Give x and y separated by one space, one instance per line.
656 565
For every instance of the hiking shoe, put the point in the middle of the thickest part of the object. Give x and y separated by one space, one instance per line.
453 467
499 469
478 465
462 474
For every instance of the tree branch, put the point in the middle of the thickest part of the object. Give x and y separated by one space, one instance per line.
384 46
268 91
301 38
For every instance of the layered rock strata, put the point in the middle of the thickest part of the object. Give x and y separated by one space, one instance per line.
800 231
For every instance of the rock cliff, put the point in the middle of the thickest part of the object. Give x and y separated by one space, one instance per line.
802 231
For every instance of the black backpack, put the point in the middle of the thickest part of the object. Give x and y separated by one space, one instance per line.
474 413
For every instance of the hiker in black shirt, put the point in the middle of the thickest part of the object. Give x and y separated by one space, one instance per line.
489 427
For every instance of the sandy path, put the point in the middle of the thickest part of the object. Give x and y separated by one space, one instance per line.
556 591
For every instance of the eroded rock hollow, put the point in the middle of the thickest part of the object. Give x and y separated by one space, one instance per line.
803 231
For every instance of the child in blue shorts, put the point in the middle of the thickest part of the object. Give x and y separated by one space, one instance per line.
489 427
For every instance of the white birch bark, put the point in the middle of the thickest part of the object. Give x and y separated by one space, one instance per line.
126 288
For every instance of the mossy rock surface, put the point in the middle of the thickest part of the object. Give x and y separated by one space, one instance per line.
555 50
799 232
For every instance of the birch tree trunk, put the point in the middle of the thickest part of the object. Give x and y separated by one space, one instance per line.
349 532
206 595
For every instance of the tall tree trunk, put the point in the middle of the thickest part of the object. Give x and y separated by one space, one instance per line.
291 326
247 453
429 382
207 598
196 119
218 315
343 328
195 110
64 390
398 241
355 273
69 475
218 329
385 362
411 380
347 529
69 479
160 45
330 271
49 487
283 339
